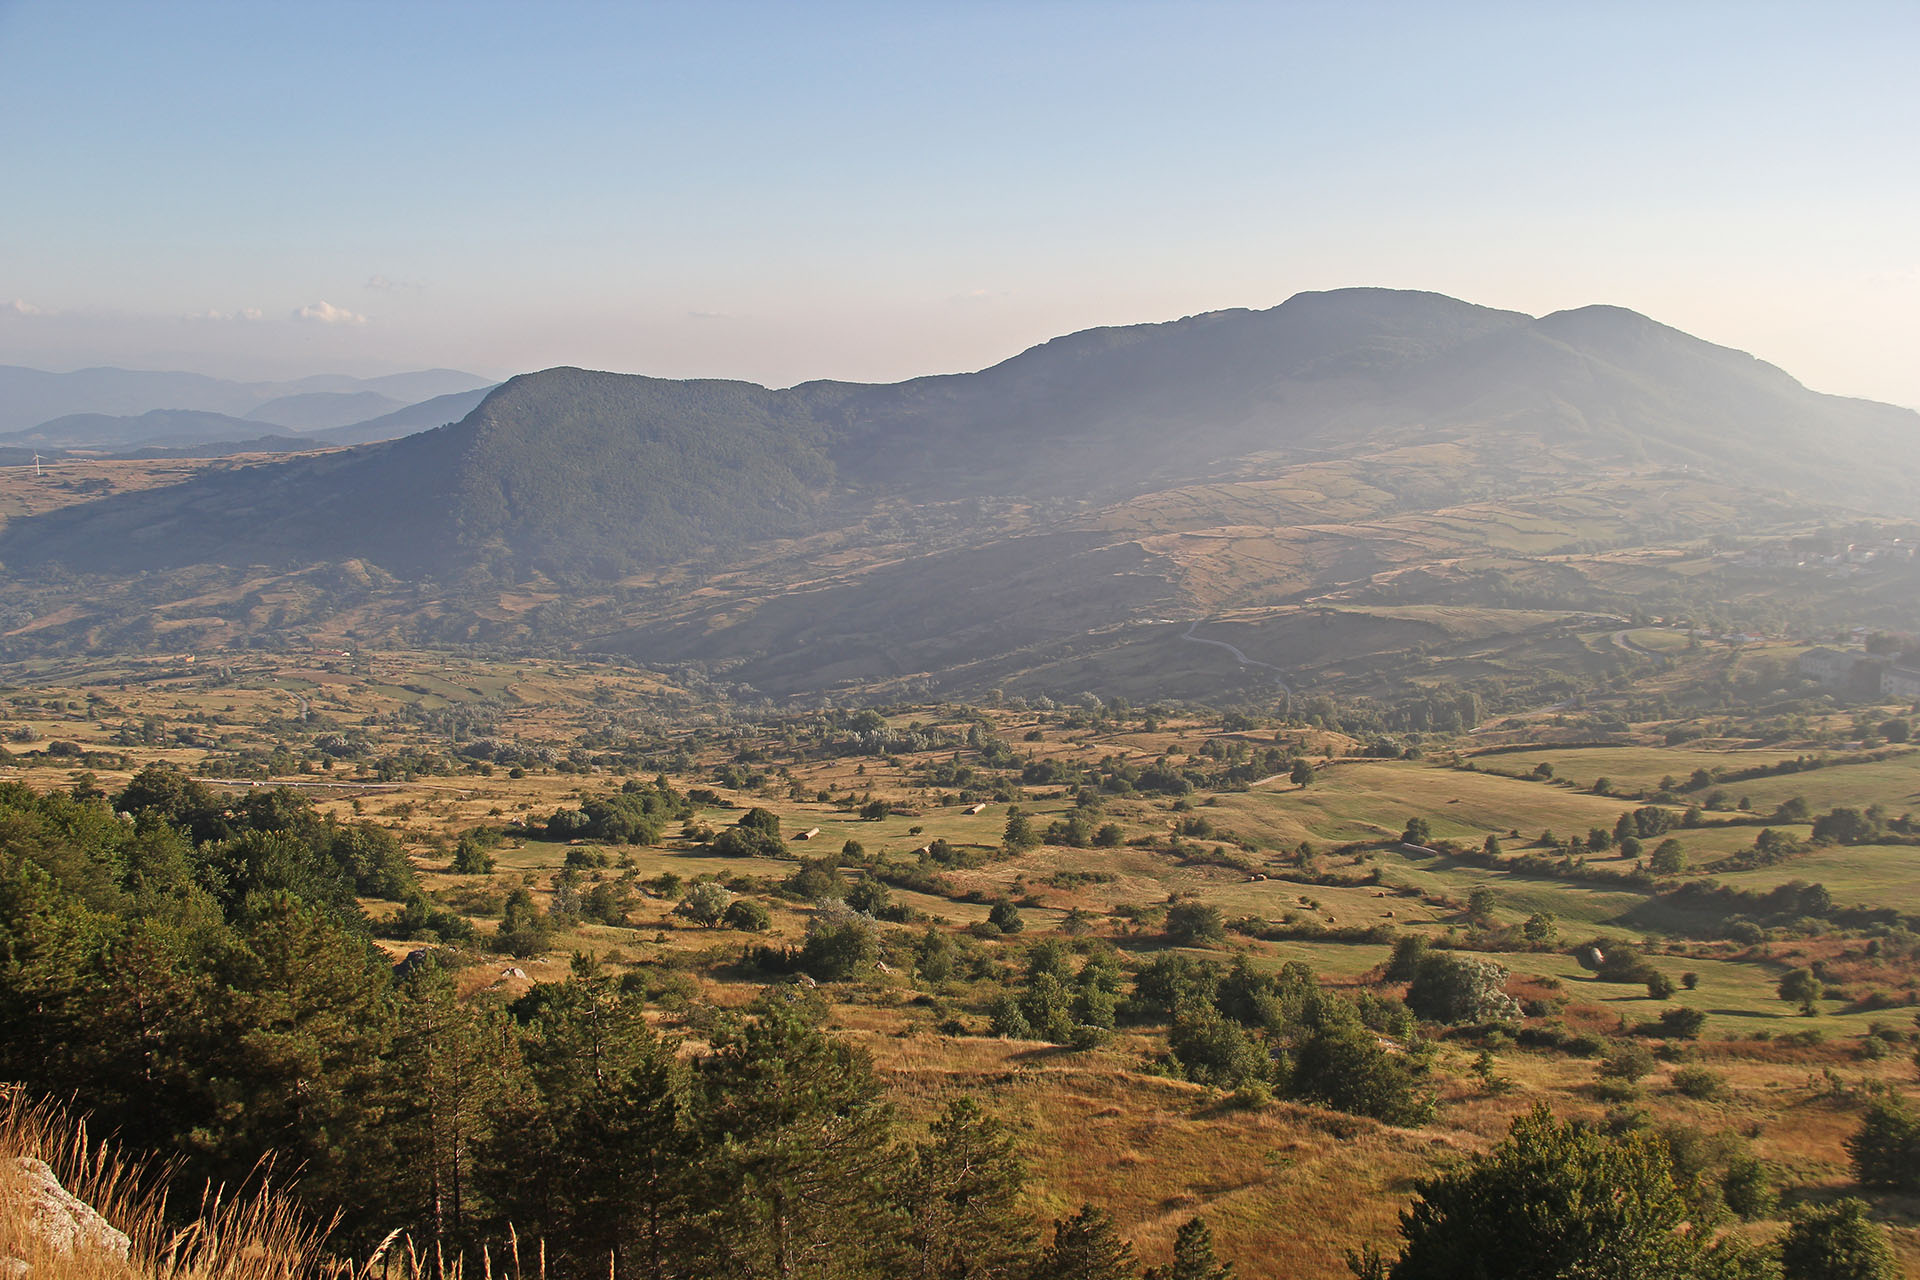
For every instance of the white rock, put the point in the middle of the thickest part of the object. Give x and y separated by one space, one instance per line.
63 1221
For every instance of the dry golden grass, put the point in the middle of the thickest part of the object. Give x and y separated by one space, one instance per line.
253 1233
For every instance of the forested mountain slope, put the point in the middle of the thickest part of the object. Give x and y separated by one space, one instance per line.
847 532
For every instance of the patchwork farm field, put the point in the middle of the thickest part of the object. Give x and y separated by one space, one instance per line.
997 837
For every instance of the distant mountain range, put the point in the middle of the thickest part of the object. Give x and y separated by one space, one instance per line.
867 529
304 419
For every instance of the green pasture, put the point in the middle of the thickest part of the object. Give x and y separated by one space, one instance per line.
1739 999
1869 875
1372 800
1631 768
1894 784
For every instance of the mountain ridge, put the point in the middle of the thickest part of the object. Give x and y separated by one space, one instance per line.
836 530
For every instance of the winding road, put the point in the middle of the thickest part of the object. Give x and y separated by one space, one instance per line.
1238 656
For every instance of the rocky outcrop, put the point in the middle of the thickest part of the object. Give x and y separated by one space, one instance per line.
59 1222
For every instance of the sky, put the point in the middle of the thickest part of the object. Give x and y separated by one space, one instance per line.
786 191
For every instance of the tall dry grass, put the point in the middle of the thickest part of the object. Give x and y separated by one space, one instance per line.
249 1233
255 1232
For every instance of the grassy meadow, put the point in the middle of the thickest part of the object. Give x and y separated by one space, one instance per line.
1310 873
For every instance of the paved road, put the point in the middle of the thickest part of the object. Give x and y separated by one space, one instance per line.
1238 656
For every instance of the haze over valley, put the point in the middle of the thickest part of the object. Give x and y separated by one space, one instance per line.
969 642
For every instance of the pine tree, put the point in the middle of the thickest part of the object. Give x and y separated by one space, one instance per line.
596 1156
449 1069
1193 1256
1087 1247
1837 1242
294 1047
961 1199
1560 1199
797 1139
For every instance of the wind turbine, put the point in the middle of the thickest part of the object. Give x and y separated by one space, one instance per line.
38 473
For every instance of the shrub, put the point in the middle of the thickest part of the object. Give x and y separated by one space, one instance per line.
1347 1069
1886 1148
838 948
1558 1198
1747 1188
1215 1050
1194 924
1699 1082
470 858
747 915
1680 1023
706 904
1627 1062
1460 989
1836 1242
1408 951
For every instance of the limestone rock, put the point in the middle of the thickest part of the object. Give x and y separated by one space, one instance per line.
63 1222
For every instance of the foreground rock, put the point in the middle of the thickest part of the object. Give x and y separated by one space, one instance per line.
61 1223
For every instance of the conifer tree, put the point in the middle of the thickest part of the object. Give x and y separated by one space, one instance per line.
1087 1247
796 1138
1193 1256
960 1196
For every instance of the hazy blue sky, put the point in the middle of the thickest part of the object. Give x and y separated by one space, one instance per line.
790 190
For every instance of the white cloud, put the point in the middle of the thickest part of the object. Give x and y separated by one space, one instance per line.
384 285
21 307
709 315
326 313
244 313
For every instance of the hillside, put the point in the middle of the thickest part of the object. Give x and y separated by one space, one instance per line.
1343 448
437 412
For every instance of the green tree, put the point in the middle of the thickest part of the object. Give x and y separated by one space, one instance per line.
1886 1147
524 928
1844 826
1086 1247
870 896
705 904
747 915
600 1155
1800 987
1193 1256
1836 1242
1461 989
1195 924
1559 1199
301 1019
1346 1068
1417 832
960 1195
1019 836
1668 859
1409 949
1005 917
450 1066
1300 775
470 858
839 947
764 821
1212 1049
799 1138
